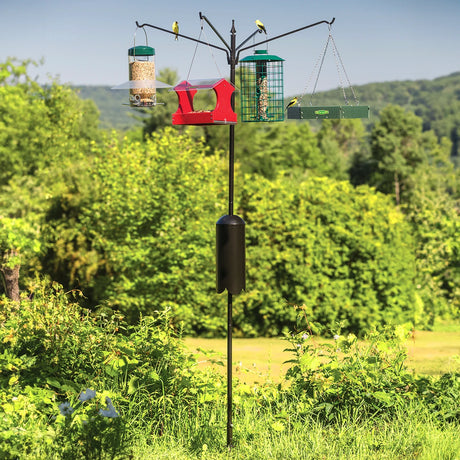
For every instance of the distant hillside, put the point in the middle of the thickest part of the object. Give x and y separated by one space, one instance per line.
114 114
436 101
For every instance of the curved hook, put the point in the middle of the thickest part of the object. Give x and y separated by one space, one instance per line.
145 33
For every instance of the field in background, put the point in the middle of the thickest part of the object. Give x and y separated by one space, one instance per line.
261 359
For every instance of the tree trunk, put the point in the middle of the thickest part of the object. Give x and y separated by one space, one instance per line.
11 281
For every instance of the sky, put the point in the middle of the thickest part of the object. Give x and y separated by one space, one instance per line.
86 41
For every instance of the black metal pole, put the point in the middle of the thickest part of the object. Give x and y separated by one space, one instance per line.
231 188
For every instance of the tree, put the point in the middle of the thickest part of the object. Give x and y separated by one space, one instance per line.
39 125
18 238
396 150
44 134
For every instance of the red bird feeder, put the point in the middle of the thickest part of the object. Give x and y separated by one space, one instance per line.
222 114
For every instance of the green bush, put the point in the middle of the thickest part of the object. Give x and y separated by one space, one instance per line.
347 378
345 254
52 350
143 239
74 385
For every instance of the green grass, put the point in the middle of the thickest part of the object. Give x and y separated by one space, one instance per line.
261 359
411 434
364 406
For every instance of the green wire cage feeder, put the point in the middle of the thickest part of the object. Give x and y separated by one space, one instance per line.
262 97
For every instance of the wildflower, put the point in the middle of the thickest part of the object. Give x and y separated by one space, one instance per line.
87 395
336 337
110 412
65 409
305 336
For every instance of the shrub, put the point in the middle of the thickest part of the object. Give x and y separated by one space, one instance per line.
346 378
346 254
51 350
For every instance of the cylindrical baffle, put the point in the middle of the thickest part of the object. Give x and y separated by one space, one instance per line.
230 254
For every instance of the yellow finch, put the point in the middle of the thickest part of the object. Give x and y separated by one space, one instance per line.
261 26
292 102
175 28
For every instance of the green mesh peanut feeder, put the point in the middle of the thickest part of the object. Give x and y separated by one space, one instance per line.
262 97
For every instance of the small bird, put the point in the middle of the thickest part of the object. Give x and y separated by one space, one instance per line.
292 102
175 28
261 26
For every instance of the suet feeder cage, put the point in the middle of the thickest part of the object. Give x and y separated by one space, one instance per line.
262 87
222 114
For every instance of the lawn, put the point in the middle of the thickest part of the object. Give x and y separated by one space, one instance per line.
261 359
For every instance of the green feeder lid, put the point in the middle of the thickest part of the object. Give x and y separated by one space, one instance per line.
141 51
261 55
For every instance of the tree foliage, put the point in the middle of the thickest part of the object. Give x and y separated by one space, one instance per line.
144 237
132 221
44 133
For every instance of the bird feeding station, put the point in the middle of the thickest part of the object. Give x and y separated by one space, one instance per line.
262 97
222 114
262 100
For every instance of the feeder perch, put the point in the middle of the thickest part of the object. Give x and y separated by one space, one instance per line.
328 112
262 96
222 114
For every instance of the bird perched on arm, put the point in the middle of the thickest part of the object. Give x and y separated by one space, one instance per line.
175 28
261 26
292 102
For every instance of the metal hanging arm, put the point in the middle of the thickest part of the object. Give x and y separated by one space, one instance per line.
232 49
285 34
183 36
258 31
203 17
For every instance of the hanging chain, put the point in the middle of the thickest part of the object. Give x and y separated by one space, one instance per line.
319 71
194 54
339 65
210 50
337 54
313 72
